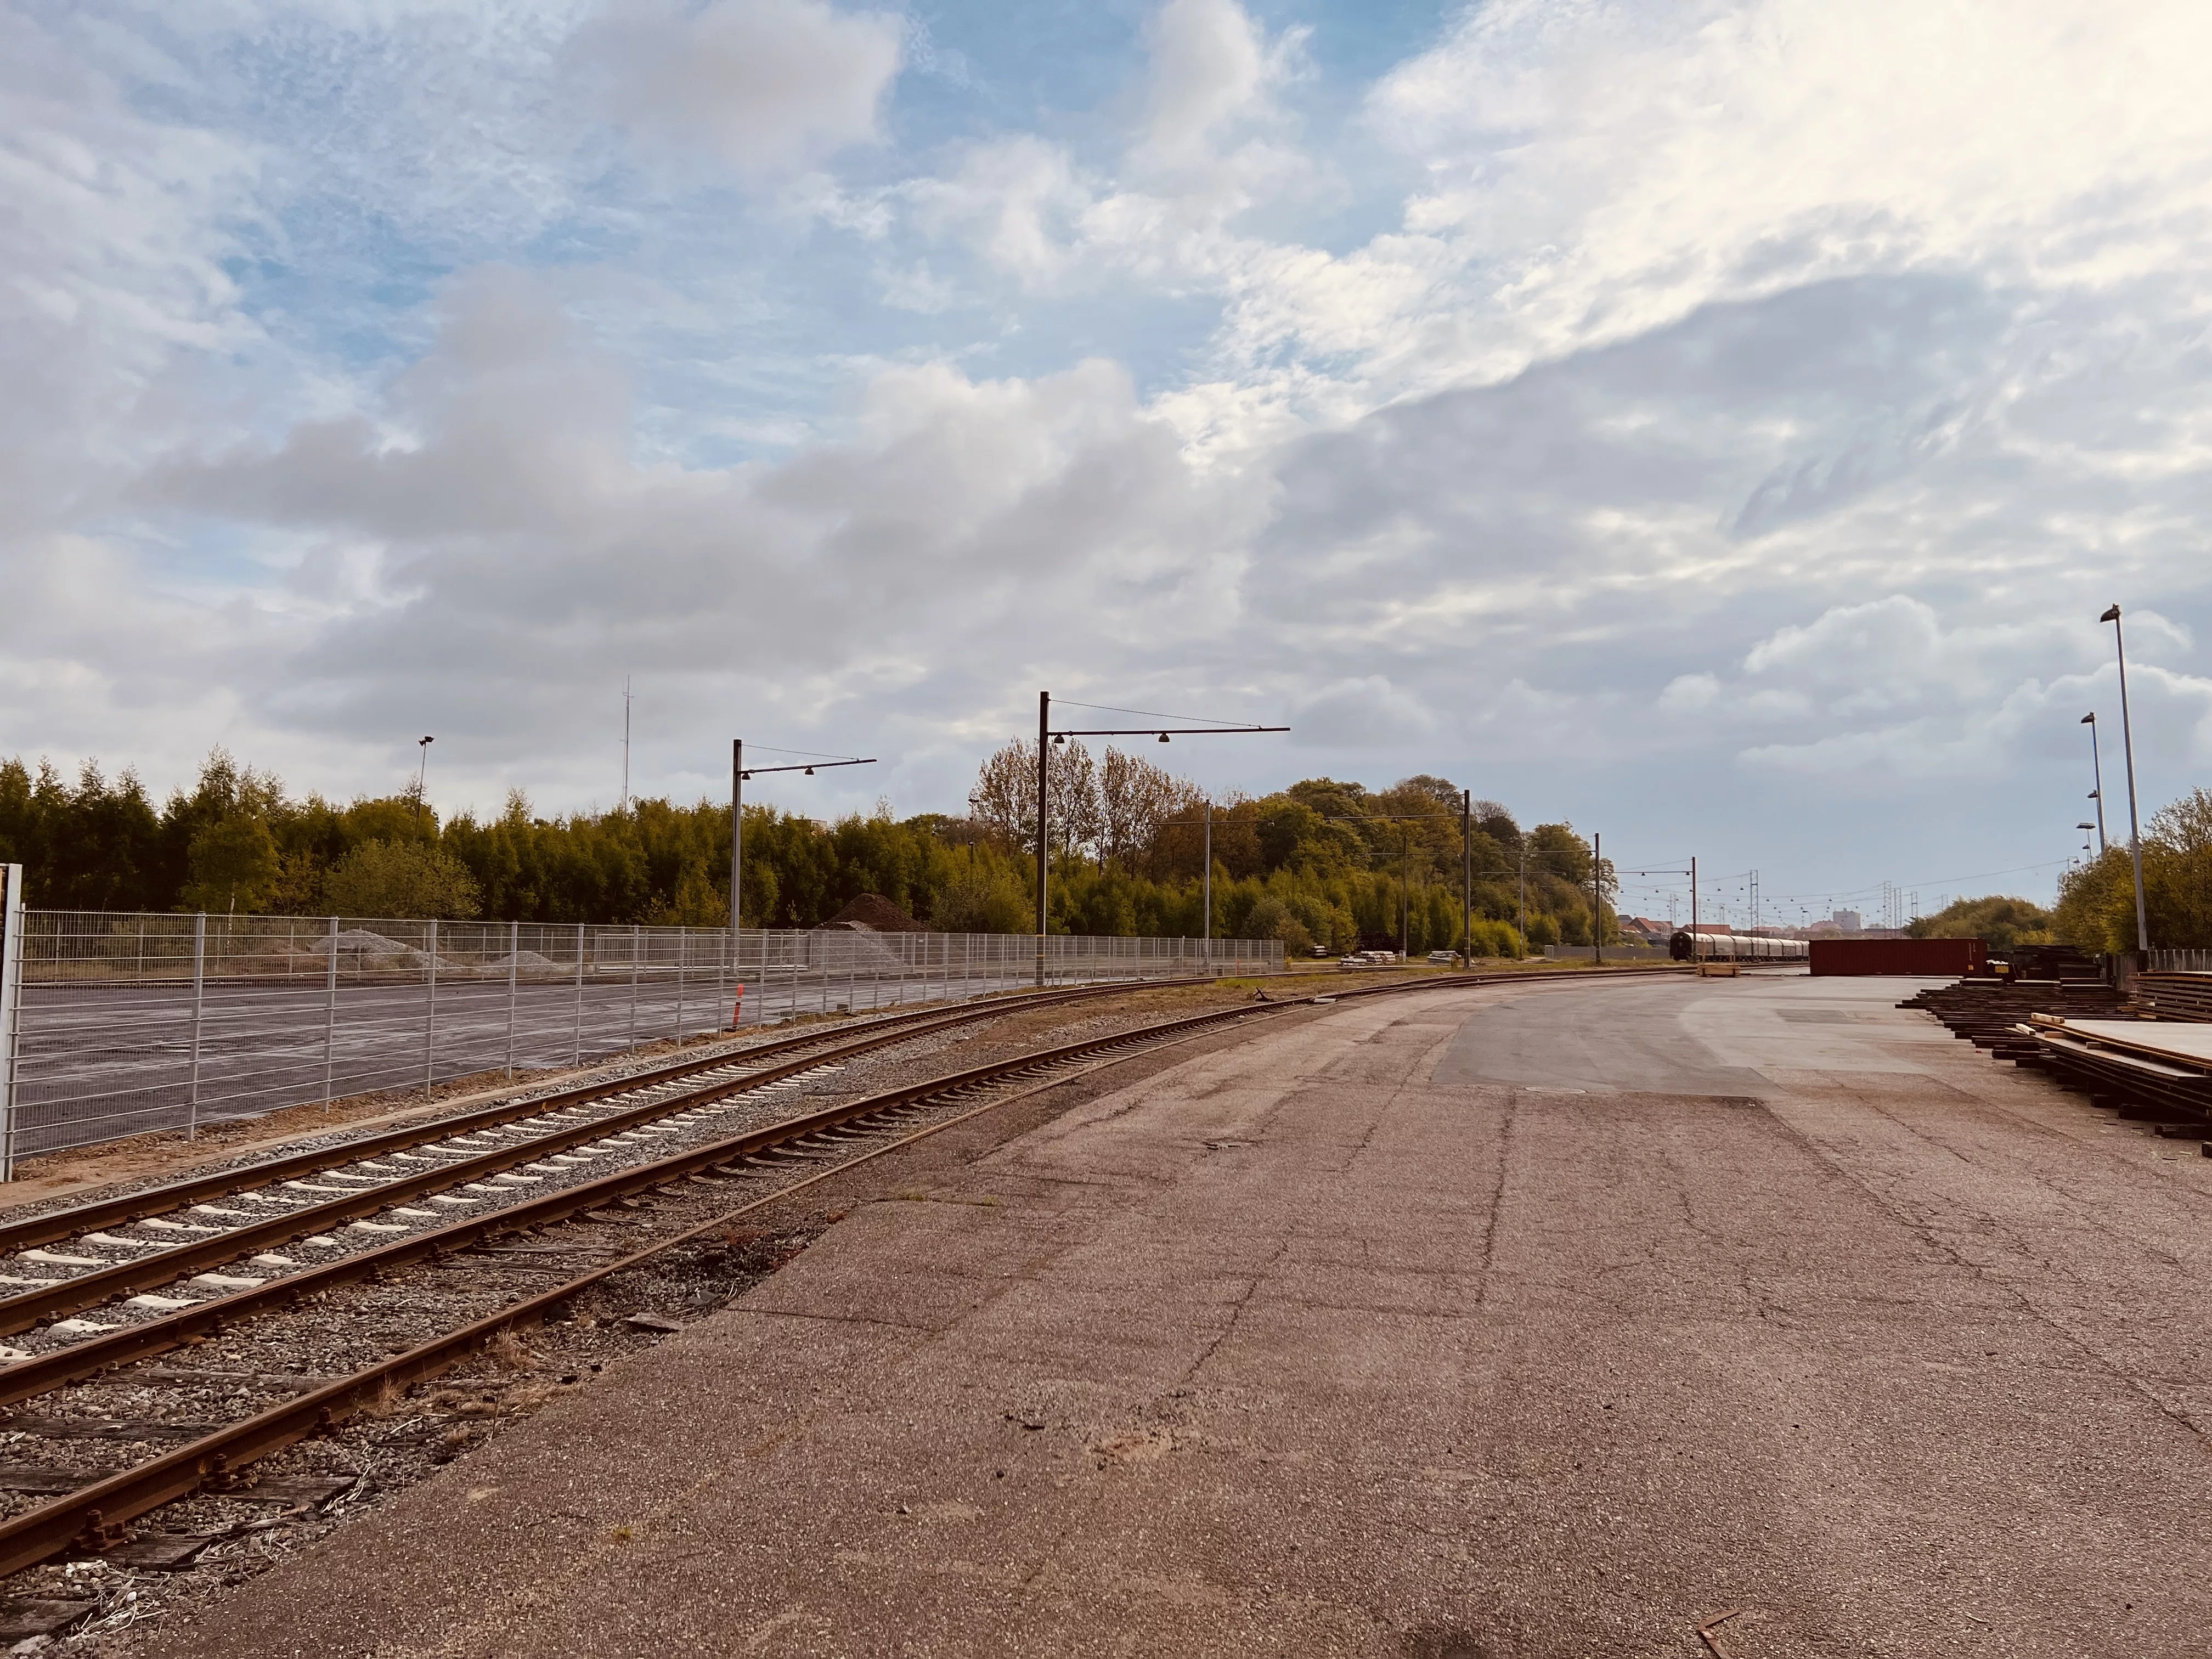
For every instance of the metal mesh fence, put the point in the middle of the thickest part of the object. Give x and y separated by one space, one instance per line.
133 1023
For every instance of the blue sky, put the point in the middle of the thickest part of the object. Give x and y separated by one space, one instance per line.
1719 425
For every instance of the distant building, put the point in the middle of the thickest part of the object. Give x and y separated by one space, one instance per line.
1847 921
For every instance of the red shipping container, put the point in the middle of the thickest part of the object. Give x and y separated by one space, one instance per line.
1927 958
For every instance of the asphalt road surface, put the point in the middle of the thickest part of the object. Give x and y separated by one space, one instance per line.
1557 1322
99 1060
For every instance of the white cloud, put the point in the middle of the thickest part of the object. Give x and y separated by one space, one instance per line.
1592 172
966 532
1367 713
1768 391
1212 103
765 84
1212 146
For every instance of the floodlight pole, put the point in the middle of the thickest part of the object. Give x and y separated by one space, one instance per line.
1524 894
1467 878
1597 899
2097 773
1044 840
2127 748
1047 737
739 773
1405 891
1206 886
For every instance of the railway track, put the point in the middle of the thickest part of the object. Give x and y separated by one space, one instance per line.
145 1253
310 1349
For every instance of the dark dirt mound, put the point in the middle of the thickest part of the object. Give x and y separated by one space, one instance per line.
877 913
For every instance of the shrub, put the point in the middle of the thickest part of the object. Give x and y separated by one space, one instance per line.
401 878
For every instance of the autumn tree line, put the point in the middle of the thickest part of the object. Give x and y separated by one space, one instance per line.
1320 863
1323 863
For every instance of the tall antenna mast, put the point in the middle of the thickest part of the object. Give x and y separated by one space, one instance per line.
625 800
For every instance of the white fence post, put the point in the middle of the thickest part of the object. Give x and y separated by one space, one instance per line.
11 1006
580 993
430 1014
513 963
329 1013
633 937
199 1010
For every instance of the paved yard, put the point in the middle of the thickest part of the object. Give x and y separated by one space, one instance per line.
1555 1322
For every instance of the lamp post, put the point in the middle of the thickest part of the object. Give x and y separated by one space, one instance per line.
739 773
2097 773
1467 878
1047 737
421 780
1597 900
2128 748
1523 885
1205 880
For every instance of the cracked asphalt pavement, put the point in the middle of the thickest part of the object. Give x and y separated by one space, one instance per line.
1559 1320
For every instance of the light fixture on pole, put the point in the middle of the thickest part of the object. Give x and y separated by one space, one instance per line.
2128 748
1047 738
1467 878
739 773
2097 773
1597 899
421 780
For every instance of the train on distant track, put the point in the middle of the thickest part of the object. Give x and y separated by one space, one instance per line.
1735 947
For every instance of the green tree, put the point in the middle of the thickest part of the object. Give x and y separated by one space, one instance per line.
234 865
1997 921
402 878
2097 900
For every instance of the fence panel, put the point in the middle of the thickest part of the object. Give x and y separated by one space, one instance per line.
127 1023
2176 962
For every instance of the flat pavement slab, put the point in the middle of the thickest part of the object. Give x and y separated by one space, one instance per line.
1768 1310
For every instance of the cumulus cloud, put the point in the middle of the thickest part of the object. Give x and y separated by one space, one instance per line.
964 531
1213 145
765 84
1762 394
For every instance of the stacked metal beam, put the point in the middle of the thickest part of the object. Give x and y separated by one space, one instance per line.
2173 996
2153 1071
2150 1059
1991 1013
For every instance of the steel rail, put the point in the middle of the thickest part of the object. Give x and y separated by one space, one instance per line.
87 1290
127 1207
91 1516
24 1378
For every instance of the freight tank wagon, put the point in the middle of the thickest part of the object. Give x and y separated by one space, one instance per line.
1735 947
